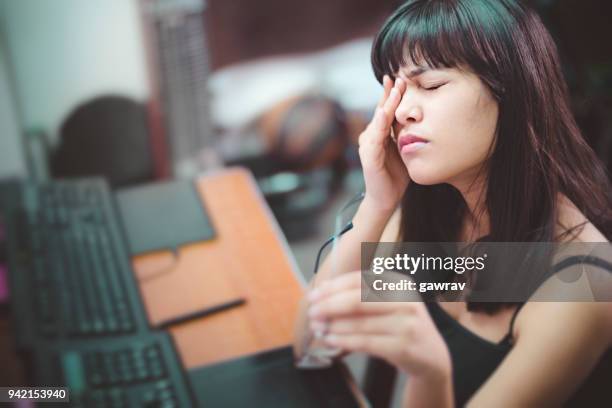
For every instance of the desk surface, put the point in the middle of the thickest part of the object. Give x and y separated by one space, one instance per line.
248 258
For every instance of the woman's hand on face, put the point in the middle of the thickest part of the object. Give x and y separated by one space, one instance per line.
401 333
385 174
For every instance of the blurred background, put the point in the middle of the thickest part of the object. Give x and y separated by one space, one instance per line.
143 90
139 90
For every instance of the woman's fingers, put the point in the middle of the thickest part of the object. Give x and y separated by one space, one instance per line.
378 345
349 280
390 323
389 108
338 284
340 297
380 125
387 85
343 304
339 304
347 303
394 99
401 84
390 105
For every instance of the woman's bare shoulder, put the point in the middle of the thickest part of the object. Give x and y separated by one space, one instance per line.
531 316
570 217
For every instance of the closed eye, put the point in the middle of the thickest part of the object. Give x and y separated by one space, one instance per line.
433 87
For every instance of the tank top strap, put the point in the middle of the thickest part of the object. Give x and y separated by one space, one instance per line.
559 266
508 338
578 259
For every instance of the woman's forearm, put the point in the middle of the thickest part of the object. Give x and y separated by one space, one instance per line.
368 224
421 392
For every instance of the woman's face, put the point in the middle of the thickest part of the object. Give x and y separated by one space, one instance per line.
455 112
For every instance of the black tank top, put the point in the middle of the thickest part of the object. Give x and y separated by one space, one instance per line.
475 358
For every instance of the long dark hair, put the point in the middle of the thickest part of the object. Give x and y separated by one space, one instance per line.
538 151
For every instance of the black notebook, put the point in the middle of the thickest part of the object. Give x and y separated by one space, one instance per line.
270 379
163 215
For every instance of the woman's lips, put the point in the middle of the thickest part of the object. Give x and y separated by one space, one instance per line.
411 143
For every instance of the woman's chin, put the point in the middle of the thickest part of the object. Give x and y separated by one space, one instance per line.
424 177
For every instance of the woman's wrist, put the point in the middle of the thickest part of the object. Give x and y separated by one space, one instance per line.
373 210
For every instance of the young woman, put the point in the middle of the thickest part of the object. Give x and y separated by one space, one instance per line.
473 138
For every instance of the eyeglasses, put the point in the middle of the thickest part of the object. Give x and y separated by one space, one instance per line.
320 356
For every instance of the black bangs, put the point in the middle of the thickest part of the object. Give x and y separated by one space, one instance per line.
439 33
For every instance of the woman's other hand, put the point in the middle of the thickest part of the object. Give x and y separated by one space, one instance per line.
386 176
401 333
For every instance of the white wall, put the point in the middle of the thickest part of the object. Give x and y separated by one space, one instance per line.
12 161
64 52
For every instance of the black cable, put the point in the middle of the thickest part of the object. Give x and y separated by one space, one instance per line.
359 196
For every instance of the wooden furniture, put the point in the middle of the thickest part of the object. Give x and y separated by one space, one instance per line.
248 258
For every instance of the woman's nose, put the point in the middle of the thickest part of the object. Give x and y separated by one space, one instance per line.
408 111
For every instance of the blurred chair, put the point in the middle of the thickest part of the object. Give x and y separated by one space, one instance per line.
106 136
301 164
